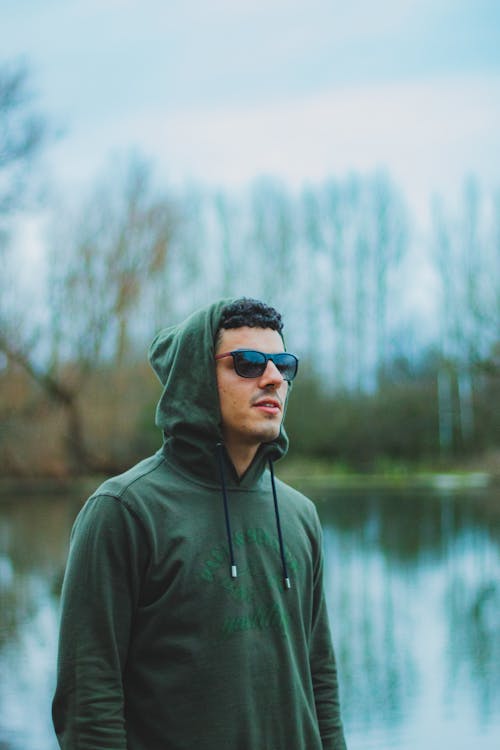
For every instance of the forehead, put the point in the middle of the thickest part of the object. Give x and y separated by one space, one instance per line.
263 339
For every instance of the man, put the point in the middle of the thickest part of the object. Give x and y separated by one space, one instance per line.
193 615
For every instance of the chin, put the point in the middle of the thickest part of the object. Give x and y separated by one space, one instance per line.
270 435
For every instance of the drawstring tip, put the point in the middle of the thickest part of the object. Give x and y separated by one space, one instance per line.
234 572
288 585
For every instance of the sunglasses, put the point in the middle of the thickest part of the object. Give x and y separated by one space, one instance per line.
249 363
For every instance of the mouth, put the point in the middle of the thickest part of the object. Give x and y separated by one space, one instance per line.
268 405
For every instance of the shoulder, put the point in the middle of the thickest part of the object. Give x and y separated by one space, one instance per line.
293 495
292 499
137 492
138 477
300 520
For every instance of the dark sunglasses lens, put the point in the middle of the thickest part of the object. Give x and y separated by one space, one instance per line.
252 364
286 364
249 364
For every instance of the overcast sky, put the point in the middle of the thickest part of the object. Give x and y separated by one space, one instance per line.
223 90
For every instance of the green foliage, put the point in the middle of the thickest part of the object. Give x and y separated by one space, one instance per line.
147 436
398 422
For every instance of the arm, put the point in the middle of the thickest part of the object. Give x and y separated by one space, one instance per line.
100 593
323 666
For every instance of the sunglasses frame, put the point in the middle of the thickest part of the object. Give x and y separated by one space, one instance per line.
267 357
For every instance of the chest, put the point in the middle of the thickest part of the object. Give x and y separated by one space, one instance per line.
189 583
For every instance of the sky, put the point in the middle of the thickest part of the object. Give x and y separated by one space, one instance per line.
219 92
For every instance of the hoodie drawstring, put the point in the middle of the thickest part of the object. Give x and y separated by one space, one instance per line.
286 579
220 456
234 572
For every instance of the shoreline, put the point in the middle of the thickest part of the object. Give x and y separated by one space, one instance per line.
436 481
300 475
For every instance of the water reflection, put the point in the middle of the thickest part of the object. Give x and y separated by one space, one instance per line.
414 598
413 590
33 544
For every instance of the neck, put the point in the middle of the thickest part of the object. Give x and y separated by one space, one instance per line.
241 456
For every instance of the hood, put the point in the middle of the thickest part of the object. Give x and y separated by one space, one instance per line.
188 412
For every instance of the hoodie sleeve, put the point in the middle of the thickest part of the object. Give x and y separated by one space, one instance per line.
100 592
323 664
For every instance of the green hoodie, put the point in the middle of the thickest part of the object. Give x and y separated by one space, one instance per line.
160 647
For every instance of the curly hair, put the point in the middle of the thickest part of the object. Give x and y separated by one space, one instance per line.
250 312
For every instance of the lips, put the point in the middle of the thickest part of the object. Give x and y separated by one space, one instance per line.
269 404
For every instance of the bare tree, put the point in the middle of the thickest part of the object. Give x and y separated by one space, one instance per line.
389 242
448 331
23 133
366 236
224 212
337 228
272 239
187 280
101 263
466 258
312 251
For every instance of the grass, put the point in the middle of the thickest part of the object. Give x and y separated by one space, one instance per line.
473 474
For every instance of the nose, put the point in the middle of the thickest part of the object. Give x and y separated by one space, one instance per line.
271 376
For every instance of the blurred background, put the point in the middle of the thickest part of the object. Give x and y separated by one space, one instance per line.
341 162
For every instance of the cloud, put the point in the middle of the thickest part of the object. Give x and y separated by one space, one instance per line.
427 134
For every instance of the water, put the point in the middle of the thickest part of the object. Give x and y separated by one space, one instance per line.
413 590
413 587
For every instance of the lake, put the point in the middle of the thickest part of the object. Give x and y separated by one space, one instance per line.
413 590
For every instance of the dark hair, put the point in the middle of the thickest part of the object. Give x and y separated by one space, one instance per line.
250 312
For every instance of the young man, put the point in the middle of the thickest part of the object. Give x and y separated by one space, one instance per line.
193 614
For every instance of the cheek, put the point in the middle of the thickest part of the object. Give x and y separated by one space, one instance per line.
230 399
